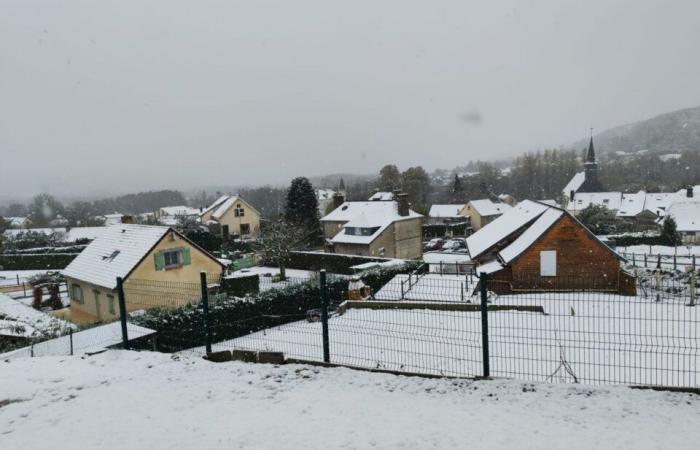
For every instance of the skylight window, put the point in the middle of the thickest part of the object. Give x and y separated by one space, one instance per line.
110 257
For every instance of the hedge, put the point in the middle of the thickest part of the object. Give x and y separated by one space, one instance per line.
629 240
54 261
332 262
435 230
241 286
181 328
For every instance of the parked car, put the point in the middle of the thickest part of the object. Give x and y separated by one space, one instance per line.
434 244
455 245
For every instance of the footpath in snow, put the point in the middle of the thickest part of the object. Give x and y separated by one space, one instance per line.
119 399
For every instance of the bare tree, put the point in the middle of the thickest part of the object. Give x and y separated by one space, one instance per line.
279 238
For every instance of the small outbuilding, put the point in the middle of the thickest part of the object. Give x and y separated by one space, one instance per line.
537 247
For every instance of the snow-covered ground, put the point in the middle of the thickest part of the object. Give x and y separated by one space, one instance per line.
17 319
603 338
11 277
648 256
428 287
117 400
266 275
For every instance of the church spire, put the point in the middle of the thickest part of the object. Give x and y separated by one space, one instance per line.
590 156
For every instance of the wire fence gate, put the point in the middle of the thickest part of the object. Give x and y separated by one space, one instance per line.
436 324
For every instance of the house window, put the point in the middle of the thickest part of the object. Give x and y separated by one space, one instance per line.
172 258
548 263
110 304
239 211
77 294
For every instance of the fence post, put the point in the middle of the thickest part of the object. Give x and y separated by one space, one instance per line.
674 262
461 291
634 261
31 350
122 312
70 332
645 260
205 310
440 267
402 291
324 316
484 325
693 263
693 283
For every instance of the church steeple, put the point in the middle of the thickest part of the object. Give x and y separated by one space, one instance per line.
591 183
590 156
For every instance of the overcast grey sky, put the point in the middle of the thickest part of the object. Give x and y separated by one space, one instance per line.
118 96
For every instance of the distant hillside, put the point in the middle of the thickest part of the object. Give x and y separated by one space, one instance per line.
672 132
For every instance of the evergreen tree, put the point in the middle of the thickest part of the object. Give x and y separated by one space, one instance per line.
669 232
341 185
416 184
302 207
601 220
457 190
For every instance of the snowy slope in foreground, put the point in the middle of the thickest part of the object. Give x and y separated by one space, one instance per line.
119 400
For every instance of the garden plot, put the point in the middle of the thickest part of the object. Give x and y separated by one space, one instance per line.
597 339
429 288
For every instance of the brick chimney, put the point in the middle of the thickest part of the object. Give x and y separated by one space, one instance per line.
689 192
402 200
338 199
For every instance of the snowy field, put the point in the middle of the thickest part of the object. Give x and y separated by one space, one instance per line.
129 400
603 339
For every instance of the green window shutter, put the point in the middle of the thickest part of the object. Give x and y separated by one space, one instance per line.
160 260
82 299
186 258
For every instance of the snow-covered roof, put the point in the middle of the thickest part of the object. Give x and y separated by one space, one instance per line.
531 234
611 200
370 214
670 156
489 267
632 204
223 204
659 202
486 207
502 227
382 196
114 253
92 340
179 211
447 211
325 194
438 257
575 183
216 204
78 233
686 213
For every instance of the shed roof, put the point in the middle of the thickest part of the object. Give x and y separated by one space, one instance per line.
486 207
446 211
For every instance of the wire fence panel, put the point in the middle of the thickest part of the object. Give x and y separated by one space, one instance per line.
565 330
596 338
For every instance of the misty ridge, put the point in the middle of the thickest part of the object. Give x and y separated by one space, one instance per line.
660 155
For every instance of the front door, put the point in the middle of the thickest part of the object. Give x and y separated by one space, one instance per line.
245 228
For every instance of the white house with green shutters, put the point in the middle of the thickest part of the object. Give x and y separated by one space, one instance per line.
139 254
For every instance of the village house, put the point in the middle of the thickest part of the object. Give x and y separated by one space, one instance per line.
685 210
386 229
170 215
586 181
482 212
133 252
447 213
235 216
539 247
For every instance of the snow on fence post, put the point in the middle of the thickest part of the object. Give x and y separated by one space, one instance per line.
205 311
122 312
324 316
484 325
